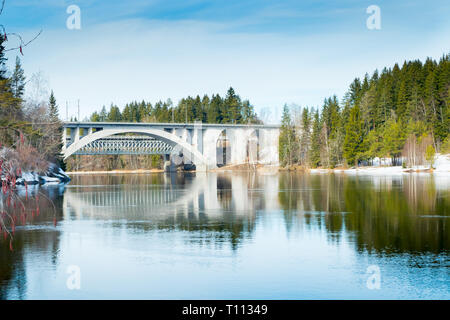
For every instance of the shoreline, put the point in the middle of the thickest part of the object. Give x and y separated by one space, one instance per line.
116 171
441 166
360 170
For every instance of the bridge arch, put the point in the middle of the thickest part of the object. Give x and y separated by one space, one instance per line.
179 145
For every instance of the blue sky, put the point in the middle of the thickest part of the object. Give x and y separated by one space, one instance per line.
271 52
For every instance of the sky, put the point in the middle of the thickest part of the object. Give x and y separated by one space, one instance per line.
271 52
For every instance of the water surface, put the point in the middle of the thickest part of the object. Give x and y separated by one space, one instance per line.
235 236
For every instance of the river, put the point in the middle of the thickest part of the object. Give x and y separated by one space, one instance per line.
241 235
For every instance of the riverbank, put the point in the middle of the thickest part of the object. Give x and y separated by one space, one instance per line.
117 171
440 166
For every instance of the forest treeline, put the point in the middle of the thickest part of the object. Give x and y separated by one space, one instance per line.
214 109
401 114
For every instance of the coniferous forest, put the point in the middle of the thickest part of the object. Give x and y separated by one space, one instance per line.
214 109
400 115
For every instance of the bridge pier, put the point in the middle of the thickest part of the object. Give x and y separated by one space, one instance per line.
169 166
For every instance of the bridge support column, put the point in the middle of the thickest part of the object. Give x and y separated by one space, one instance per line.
169 166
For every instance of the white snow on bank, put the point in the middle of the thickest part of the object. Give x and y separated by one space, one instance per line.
441 168
28 177
50 179
442 163
54 175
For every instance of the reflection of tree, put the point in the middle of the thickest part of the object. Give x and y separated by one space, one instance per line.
384 214
393 218
12 263
224 193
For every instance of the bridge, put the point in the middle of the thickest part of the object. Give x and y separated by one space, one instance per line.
205 146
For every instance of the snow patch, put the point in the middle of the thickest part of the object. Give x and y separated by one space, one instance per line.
442 163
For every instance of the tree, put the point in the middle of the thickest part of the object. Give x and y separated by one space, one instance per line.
52 133
18 80
286 142
103 115
53 112
94 117
233 105
248 113
429 155
394 139
305 137
354 137
315 141
214 110
114 114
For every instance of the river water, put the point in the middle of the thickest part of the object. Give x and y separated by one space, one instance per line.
234 236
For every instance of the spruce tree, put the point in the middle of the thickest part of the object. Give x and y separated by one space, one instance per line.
114 114
353 142
233 104
315 141
18 80
53 112
214 115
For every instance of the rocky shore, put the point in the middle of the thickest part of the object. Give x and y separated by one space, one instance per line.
53 175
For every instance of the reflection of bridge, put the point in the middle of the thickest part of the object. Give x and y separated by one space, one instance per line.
206 194
204 145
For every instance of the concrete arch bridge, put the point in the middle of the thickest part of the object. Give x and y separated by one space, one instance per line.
206 146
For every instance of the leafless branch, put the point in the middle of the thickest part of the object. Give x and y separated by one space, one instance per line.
22 44
3 5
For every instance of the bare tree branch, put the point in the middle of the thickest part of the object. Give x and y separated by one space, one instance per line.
22 44
3 5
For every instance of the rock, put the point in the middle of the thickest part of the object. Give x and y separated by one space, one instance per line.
53 175
56 172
